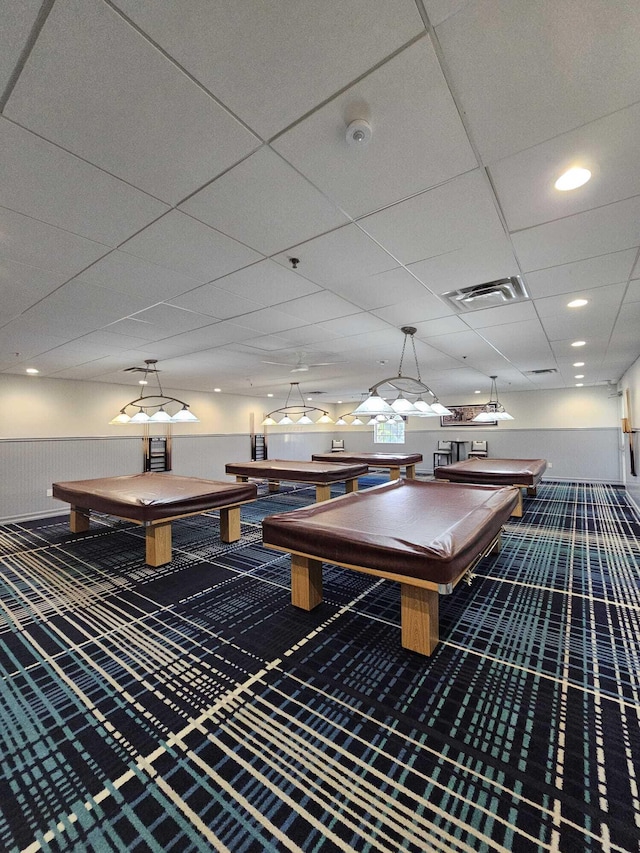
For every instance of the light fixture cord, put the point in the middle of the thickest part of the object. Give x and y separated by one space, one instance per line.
415 356
404 344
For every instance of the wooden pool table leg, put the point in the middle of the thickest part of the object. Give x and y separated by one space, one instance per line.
351 486
323 492
411 472
394 473
241 479
79 521
274 486
532 491
517 512
230 523
157 539
306 582
419 618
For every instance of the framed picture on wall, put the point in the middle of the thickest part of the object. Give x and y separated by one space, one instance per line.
463 416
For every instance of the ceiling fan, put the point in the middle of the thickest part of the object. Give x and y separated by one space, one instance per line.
302 366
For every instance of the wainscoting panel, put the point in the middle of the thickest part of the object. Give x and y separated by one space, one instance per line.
30 466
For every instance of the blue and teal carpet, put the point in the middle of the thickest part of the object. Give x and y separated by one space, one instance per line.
191 707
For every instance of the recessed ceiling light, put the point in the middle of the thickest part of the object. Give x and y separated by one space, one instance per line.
269 395
572 179
577 303
477 392
578 363
579 376
142 382
32 370
579 384
217 390
578 343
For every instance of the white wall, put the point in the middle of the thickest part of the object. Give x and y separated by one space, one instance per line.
630 408
42 407
57 429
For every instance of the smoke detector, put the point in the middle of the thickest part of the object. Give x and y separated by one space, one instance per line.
490 294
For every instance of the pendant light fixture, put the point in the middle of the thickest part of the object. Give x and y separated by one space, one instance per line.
301 408
493 410
377 405
151 407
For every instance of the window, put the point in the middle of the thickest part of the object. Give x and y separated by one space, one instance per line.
388 432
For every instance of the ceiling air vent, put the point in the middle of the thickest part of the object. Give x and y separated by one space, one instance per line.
491 294
541 372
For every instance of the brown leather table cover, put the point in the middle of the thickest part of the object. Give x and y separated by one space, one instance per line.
498 472
151 496
383 460
426 530
303 472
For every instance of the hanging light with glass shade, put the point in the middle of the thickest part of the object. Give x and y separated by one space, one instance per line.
414 386
294 409
151 407
493 410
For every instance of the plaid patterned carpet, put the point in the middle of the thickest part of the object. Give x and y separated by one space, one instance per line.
191 708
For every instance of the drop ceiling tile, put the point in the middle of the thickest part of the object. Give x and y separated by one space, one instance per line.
473 263
439 10
440 220
523 343
342 255
181 243
627 325
97 370
412 311
441 326
211 300
578 324
418 139
23 339
355 324
381 344
303 336
107 341
607 147
527 70
69 355
500 315
270 320
21 286
592 272
583 235
95 86
318 307
466 345
272 65
163 319
127 274
633 291
15 30
601 301
204 338
77 308
265 343
40 180
266 282
265 204
27 241
591 353
381 289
